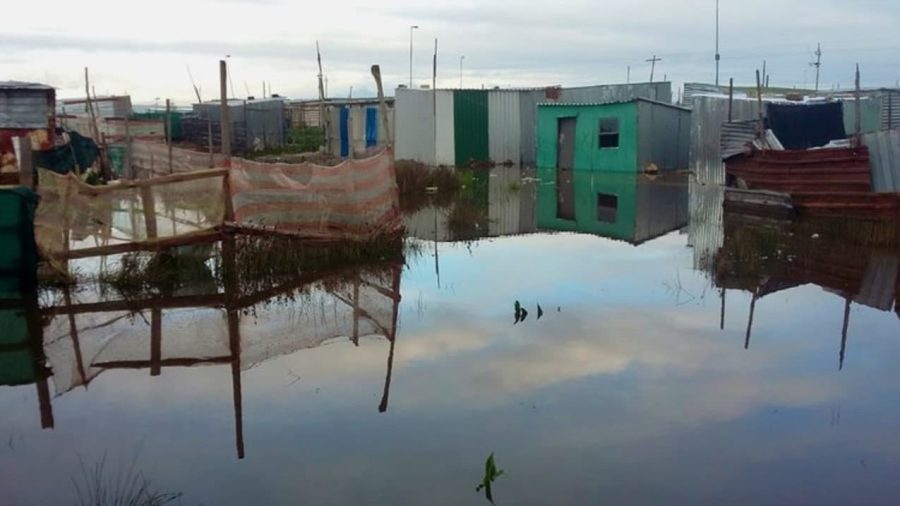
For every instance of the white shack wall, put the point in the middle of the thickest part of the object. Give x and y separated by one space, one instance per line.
415 122
445 145
503 126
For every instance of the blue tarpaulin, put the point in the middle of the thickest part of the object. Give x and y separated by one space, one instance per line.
345 132
371 127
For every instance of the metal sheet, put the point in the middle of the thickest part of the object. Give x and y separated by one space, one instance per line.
890 109
663 136
414 116
25 109
884 157
503 126
705 232
445 147
834 170
470 126
707 117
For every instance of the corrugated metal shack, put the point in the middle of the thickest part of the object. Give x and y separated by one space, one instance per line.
631 136
879 110
355 127
456 127
117 106
255 123
25 109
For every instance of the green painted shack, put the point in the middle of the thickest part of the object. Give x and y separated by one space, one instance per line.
627 137
18 273
626 207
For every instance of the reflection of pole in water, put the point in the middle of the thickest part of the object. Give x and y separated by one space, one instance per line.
36 343
383 405
844 332
437 265
750 320
722 311
234 338
155 342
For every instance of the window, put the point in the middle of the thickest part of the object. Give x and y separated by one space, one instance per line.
607 207
609 133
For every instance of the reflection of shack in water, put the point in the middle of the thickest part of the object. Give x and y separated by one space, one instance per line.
854 260
628 207
247 316
499 203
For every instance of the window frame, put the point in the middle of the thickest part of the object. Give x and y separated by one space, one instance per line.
615 131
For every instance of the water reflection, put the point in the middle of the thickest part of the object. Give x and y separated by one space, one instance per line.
629 207
618 374
857 262
199 306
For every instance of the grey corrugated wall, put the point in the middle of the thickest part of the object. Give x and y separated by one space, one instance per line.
24 109
884 159
664 137
707 117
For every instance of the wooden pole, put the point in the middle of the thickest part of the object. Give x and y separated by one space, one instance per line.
762 126
149 206
730 99
323 121
224 116
169 132
22 148
858 135
376 73
95 130
128 169
209 136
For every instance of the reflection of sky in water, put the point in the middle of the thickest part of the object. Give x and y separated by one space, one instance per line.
629 394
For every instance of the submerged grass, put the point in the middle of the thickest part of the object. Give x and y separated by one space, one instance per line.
260 263
127 487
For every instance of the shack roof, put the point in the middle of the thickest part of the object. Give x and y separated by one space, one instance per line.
107 98
601 104
21 85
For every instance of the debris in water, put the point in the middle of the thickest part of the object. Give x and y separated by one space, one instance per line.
540 312
491 473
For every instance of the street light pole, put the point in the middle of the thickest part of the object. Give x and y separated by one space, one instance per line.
718 56
411 28
461 58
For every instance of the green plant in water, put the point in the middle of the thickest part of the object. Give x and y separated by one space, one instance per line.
491 473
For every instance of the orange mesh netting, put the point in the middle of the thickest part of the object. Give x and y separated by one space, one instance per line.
356 199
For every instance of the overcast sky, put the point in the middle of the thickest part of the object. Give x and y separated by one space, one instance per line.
145 48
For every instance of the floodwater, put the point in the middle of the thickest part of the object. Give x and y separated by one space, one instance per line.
611 340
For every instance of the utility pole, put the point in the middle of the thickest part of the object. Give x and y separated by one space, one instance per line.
411 29
461 58
818 63
652 65
628 75
718 56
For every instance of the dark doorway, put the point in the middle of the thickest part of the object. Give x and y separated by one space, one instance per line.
565 143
